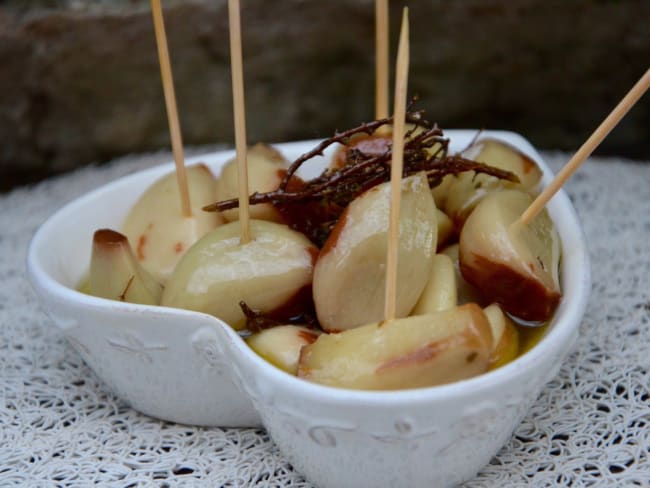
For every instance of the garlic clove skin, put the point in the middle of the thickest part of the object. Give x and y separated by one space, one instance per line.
412 352
156 228
281 345
350 274
116 274
267 273
266 168
512 264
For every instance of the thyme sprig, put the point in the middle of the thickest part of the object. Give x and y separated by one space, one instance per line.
256 320
325 197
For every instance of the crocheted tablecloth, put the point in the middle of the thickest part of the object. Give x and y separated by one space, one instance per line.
591 425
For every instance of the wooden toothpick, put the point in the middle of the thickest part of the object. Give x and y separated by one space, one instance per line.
170 102
239 111
587 148
401 82
381 59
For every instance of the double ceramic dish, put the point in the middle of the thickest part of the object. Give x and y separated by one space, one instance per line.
192 368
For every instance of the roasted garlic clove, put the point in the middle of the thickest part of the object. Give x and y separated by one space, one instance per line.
505 335
268 273
468 188
281 345
116 274
266 168
502 155
445 228
350 274
376 144
465 293
465 192
440 291
369 144
440 192
418 351
512 264
157 230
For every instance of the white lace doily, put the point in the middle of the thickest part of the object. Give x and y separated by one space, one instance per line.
59 425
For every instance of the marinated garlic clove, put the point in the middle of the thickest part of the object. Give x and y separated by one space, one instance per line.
350 274
369 144
116 274
468 188
440 292
269 273
445 228
413 352
440 192
465 293
505 335
512 264
158 232
504 156
281 345
375 144
266 168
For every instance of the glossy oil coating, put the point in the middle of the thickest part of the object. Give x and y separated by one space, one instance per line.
218 272
514 265
423 350
158 232
349 277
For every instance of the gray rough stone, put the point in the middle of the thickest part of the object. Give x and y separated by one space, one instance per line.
80 79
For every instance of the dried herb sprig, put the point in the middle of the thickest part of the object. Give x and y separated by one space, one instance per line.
257 321
322 199
368 128
375 173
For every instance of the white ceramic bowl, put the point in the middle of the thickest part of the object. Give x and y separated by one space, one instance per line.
192 368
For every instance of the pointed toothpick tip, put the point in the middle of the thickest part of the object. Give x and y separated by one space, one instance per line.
381 59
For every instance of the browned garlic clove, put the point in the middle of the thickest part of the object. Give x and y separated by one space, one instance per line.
281 345
375 144
266 168
156 228
502 155
440 192
445 228
412 352
465 292
440 292
467 189
371 145
512 264
505 334
266 273
349 277
116 274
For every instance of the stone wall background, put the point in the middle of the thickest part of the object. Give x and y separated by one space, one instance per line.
79 79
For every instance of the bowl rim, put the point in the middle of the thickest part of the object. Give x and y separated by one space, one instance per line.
558 337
